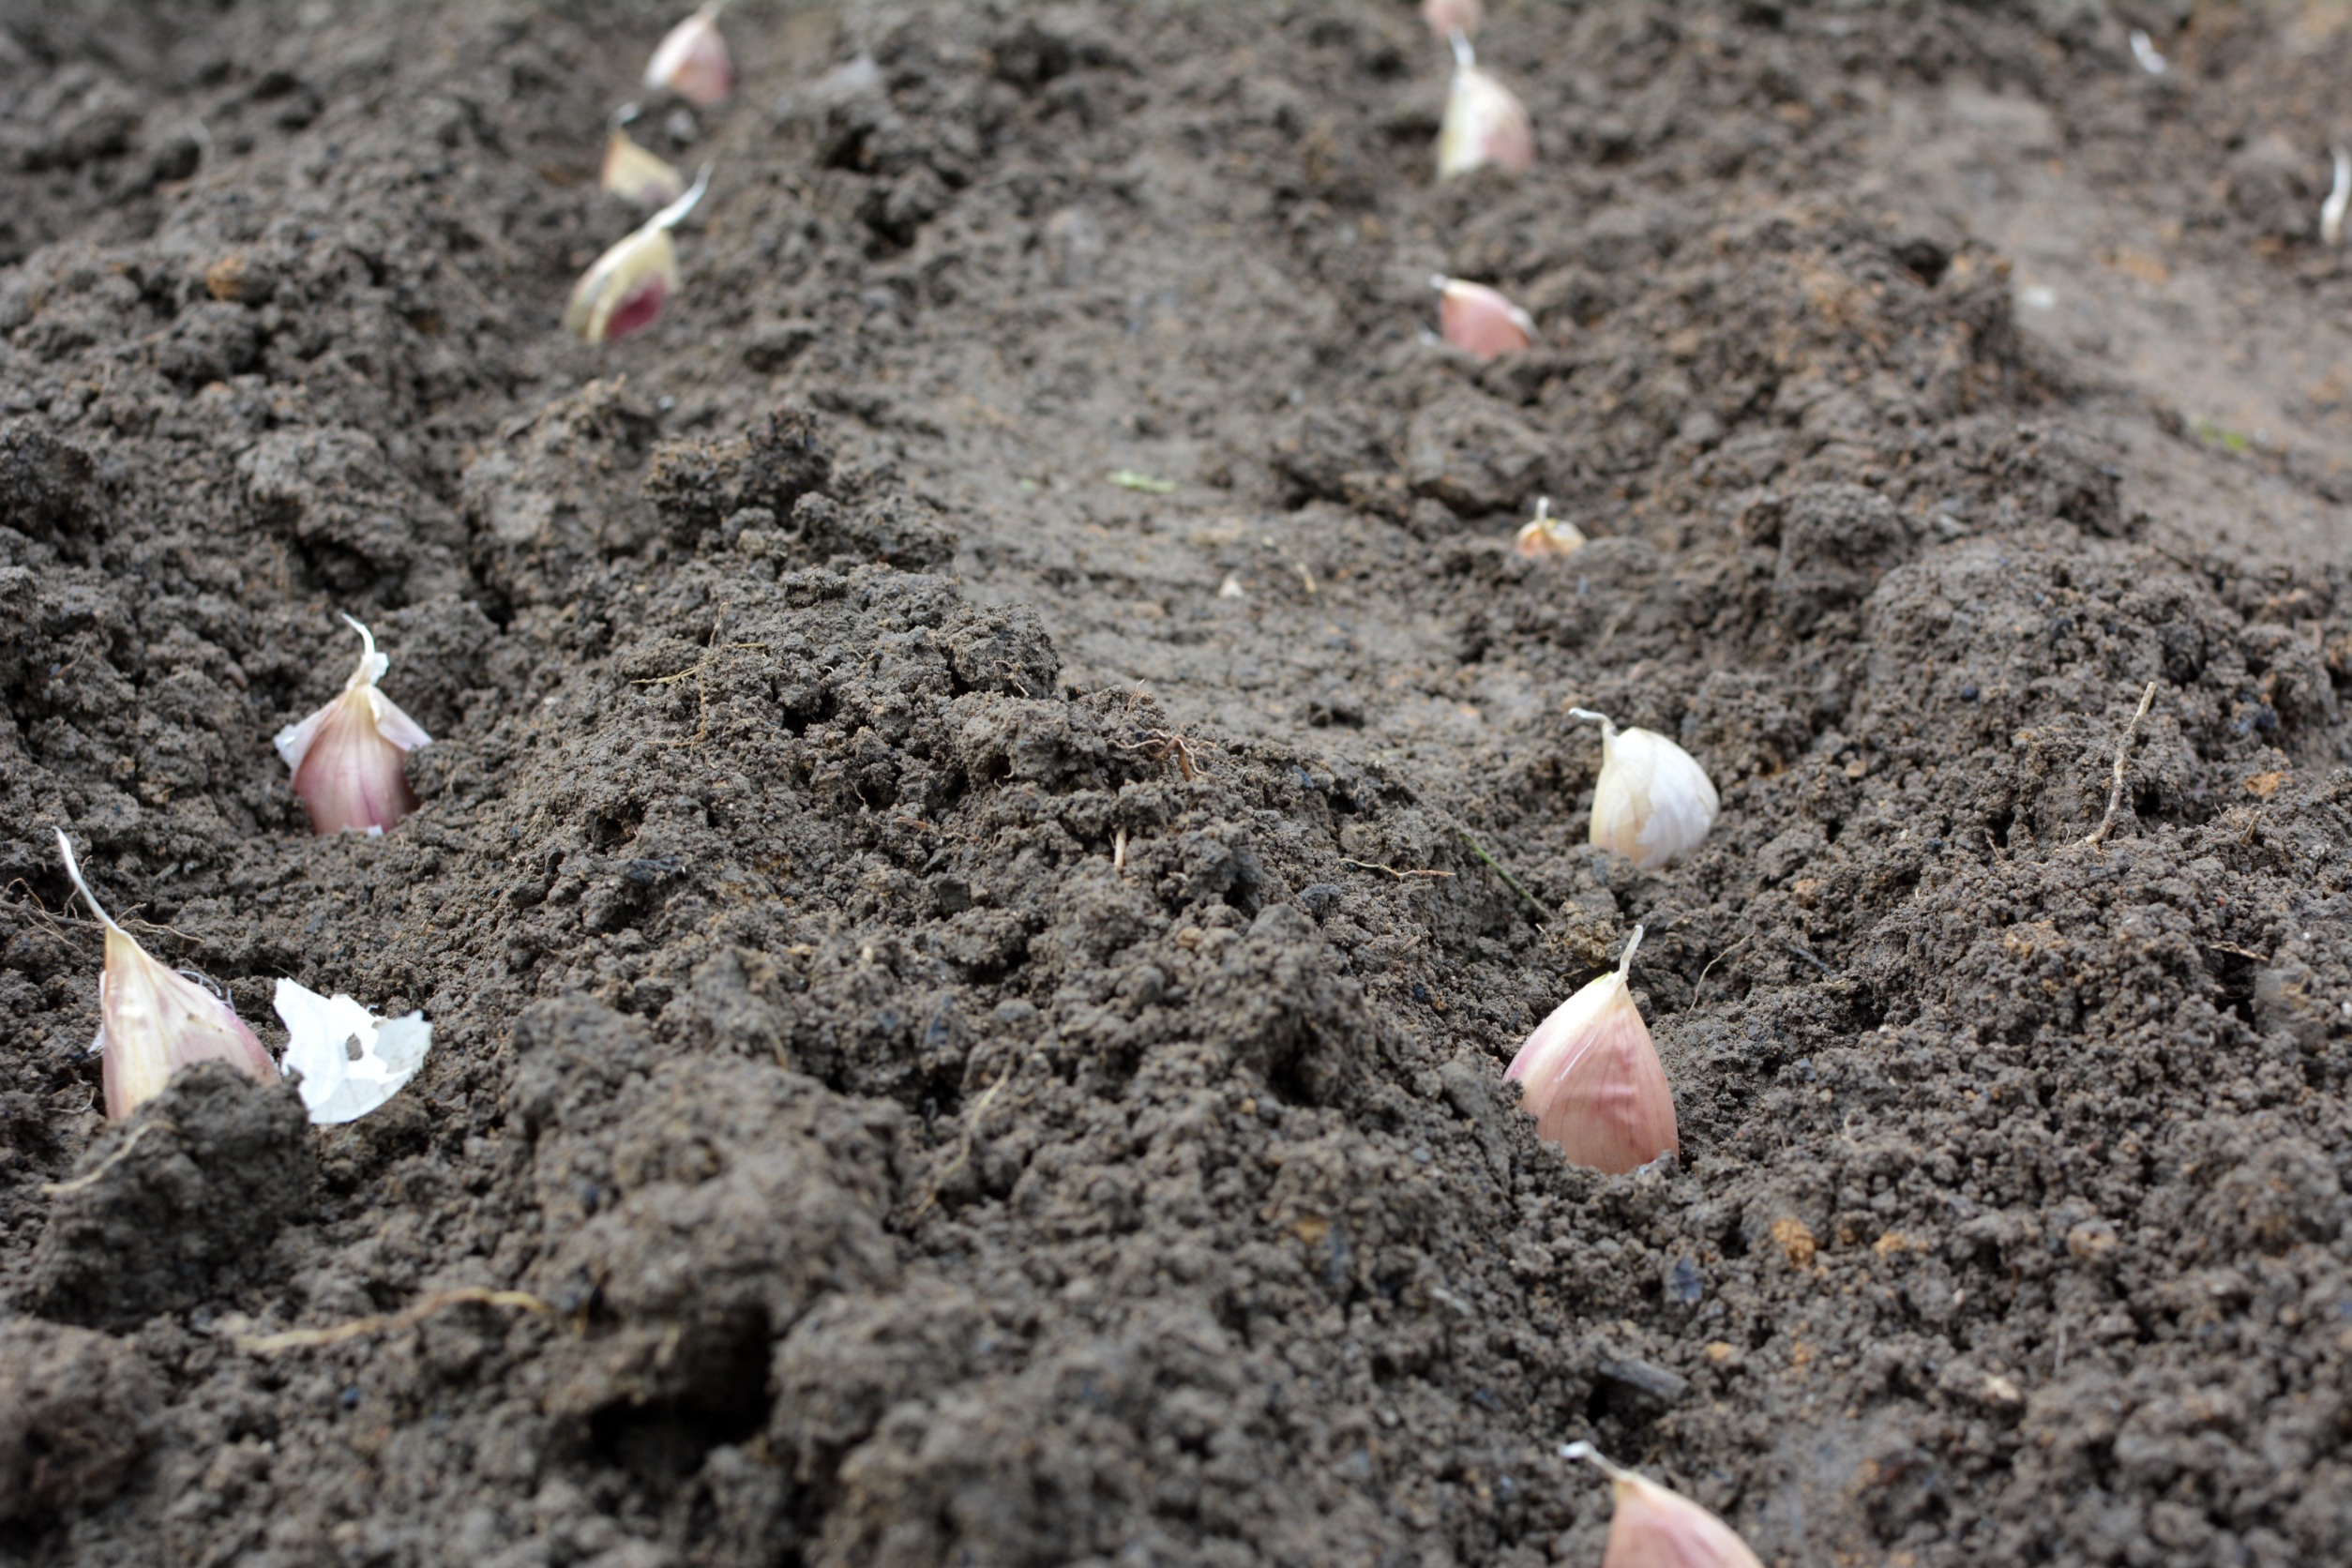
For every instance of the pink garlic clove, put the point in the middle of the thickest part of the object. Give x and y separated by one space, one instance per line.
1474 317
1654 1527
153 1020
1592 1079
349 759
1448 17
1484 122
691 61
627 287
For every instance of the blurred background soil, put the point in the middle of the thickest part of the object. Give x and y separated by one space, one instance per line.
975 994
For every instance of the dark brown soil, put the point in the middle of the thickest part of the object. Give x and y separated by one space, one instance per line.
972 991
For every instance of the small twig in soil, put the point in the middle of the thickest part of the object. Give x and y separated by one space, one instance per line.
1716 959
1511 882
360 1328
1161 746
2122 754
972 1126
90 1177
1800 953
129 921
1400 876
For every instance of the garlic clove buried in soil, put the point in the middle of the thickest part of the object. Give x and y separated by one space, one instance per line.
631 172
350 758
153 1020
627 287
336 1085
1474 317
691 61
1592 1078
1654 1527
1652 801
1545 537
1484 121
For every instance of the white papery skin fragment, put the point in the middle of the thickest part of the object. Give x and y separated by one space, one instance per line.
1590 1076
153 1020
349 759
320 1031
1652 801
1654 1527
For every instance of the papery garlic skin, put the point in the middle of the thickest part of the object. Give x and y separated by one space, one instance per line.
1448 17
691 61
335 1087
153 1020
1544 536
349 759
1484 122
1654 1527
627 287
1652 801
1474 317
629 170
1590 1076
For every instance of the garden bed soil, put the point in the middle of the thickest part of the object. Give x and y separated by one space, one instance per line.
970 998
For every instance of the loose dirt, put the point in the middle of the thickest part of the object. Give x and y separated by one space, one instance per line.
970 998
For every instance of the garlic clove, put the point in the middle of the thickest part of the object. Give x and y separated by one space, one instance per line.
1547 535
1484 121
627 287
153 1020
1654 1527
1448 17
691 61
1590 1076
1652 801
349 759
1475 317
631 172
337 1086
2331 211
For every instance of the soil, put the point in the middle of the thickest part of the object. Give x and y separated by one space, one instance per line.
970 998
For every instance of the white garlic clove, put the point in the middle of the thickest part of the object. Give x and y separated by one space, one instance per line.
1448 17
349 759
631 172
1474 317
1654 1527
1545 537
691 61
2331 211
1590 1076
1484 122
336 1086
153 1020
1652 801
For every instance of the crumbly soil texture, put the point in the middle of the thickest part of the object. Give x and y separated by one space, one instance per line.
1000 798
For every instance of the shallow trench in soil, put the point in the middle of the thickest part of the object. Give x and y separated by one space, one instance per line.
970 995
